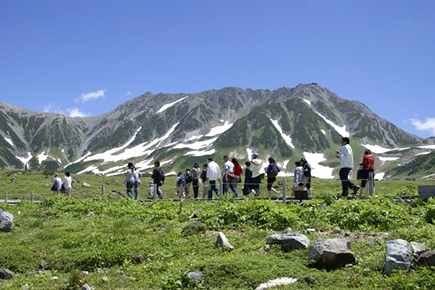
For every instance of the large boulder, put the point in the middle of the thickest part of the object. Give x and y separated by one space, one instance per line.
331 253
6 221
289 242
398 256
427 259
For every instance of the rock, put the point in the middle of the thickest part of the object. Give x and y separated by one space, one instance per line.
115 181
43 265
6 221
265 249
310 231
289 242
14 179
419 248
121 193
223 241
6 274
336 231
427 259
105 279
86 287
138 259
84 184
398 256
25 287
276 282
331 253
54 278
195 276
90 214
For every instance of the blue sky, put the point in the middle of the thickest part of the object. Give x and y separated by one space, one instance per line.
87 57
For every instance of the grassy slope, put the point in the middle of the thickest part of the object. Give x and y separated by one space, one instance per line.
58 232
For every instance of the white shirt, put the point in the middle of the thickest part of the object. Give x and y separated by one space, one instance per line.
257 167
67 182
346 157
229 166
213 171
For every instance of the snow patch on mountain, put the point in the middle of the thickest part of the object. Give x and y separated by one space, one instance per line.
318 170
219 129
167 106
9 141
340 130
42 157
387 159
379 149
286 138
25 160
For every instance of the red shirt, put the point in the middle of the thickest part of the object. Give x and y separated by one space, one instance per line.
368 162
238 170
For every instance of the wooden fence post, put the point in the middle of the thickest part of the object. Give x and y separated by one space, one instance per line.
164 194
102 189
370 183
284 191
83 195
6 197
31 196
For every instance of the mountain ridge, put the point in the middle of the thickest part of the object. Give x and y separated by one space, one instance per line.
311 116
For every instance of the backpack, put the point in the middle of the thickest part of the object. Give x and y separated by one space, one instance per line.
160 174
273 173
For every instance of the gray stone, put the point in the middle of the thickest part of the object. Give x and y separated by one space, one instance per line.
223 241
398 256
25 287
265 249
331 253
14 179
289 242
427 259
86 184
90 214
6 274
276 282
86 287
419 248
6 221
195 276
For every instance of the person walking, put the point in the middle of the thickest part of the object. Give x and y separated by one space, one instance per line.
129 179
181 185
158 178
67 182
346 165
228 176
57 184
237 172
213 174
196 174
306 177
257 174
298 173
248 176
272 172
137 182
188 178
368 166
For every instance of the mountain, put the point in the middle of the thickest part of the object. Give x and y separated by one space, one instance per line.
180 129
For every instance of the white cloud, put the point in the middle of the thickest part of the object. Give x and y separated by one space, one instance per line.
75 112
90 96
427 125
51 107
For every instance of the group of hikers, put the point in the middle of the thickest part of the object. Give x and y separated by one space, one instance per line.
254 172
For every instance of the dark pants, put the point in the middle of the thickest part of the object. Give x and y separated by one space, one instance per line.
213 188
195 188
365 177
345 182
